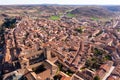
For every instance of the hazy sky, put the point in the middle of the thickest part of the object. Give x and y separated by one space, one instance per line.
83 2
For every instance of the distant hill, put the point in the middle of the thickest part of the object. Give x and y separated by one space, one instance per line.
54 8
93 11
45 9
113 8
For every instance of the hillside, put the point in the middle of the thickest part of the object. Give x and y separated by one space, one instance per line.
91 12
113 8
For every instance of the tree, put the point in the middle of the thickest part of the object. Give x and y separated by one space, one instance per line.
96 78
79 30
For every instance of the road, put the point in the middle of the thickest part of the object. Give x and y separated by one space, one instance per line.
118 20
115 24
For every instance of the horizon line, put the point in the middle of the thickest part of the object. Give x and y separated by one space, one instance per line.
61 4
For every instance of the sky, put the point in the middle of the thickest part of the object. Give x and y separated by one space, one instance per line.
67 2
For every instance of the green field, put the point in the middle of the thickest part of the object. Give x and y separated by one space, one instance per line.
54 17
70 15
94 18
